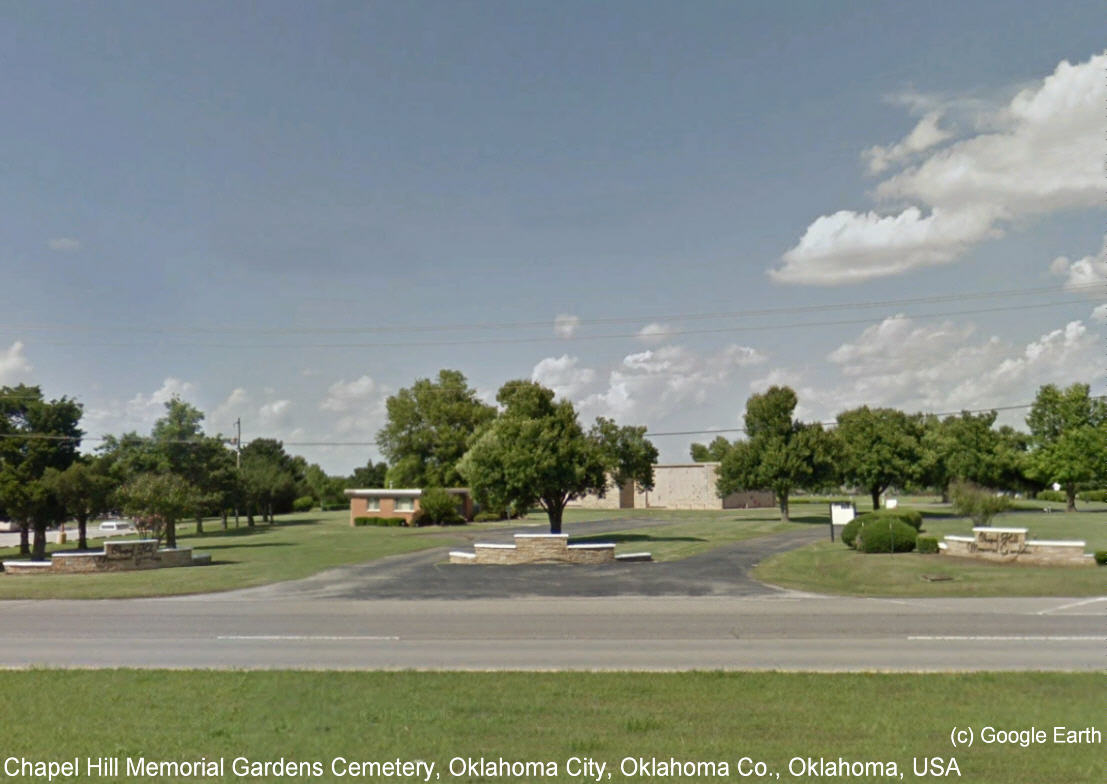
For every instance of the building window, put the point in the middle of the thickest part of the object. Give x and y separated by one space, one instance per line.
373 504
405 505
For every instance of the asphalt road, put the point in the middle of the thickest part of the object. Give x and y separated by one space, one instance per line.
779 632
414 611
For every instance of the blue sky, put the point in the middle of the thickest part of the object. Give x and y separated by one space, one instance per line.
286 212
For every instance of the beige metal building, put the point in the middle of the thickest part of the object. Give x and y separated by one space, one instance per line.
677 486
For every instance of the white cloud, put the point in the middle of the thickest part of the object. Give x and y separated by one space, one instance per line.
275 413
360 405
915 366
655 333
565 325
1099 315
14 367
1085 272
563 376
143 410
344 396
849 247
924 136
1043 154
64 245
652 384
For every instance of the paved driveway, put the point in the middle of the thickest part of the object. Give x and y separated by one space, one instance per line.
723 571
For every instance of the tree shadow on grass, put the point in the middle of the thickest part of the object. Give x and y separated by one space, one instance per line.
620 538
810 519
238 545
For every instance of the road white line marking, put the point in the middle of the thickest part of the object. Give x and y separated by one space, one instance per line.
1073 604
326 637
1017 638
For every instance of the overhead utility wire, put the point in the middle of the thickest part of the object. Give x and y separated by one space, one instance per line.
694 316
49 437
556 339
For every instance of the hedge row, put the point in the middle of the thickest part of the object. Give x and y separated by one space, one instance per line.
385 522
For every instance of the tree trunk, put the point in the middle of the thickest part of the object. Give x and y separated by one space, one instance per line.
1070 491
784 507
554 512
24 538
82 532
171 534
224 519
876 498
199 524
38 553
269 513
945 494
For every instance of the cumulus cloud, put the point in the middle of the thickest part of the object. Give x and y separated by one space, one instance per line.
343 396
1090 271
1099 315
946 367
849 247
143 410
14 367
1040 153
655 333
565 325
655 383
925 135
563 375
64 245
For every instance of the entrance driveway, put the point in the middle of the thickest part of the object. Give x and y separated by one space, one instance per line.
723 571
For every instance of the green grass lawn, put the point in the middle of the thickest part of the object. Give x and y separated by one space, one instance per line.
553 717
834 568
298 545
697 534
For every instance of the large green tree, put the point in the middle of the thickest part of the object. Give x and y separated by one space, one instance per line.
711 453
535 452
1068 429
369 475
270 477
428 430
960 449
780 453
881 447
158 502
627 453
84 490
35 435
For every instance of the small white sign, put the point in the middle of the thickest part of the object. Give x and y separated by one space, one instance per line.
840 514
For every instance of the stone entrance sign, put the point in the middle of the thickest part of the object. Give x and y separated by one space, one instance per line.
1010 545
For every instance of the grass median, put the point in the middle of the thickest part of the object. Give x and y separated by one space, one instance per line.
697 717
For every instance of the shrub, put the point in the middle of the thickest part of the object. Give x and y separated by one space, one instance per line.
913 517
979 503
303 504
849 531
437 507
1101 557
1092 495
384 522
487 517
927 545
333 507
886 535
1052 495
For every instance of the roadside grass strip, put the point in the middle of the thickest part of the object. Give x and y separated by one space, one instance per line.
296 546
630 723
827 567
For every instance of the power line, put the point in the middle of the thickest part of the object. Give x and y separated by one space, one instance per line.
556 339
48 436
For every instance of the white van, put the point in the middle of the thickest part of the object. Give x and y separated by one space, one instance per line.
116 526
